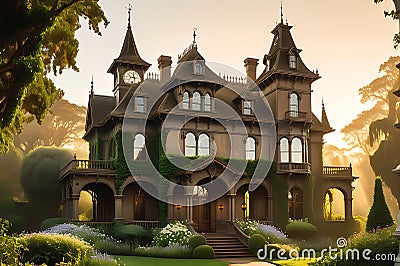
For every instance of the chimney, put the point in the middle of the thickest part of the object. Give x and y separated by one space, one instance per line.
251 67
164 65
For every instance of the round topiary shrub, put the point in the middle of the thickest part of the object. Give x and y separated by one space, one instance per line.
256 242
50 222
301 230
203 252
197 240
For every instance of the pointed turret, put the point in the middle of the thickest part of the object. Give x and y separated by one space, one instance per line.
325 121
129 52
284 57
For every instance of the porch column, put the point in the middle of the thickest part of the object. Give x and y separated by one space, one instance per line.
232 214
118 208
75 207
348 208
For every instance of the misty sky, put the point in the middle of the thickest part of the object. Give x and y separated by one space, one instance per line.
346 41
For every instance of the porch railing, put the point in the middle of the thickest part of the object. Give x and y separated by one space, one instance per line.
86 165
337 171
296 115
145 224
294 167
243 238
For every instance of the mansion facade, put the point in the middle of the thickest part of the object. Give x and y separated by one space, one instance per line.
298 185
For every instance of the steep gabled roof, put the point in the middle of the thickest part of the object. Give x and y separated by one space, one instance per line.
129 53
278 57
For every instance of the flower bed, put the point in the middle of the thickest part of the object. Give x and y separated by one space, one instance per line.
174 233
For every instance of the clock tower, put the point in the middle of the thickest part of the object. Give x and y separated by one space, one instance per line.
129 68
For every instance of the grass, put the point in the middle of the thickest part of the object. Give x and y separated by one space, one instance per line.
146 261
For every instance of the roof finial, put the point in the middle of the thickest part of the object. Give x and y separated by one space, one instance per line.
129 14
92 86
194 35
281 12
323 104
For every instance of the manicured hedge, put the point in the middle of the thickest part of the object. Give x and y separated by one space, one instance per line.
203 252
197 240
301 230
256 242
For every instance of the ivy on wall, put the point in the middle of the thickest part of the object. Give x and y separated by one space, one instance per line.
167 169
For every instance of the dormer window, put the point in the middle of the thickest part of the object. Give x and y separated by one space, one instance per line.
292 61
198 68
247 107
140 104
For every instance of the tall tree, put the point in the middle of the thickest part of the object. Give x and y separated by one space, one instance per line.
37 37
62 127
395 14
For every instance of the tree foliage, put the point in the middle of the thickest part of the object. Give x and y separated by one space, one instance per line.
36 37
379 216
393 15
62 127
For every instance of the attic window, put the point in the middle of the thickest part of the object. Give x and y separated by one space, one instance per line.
293 61
198 68
140 104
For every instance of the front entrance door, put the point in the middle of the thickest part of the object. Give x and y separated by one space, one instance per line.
202 217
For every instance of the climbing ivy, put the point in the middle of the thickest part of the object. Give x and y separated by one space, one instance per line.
167 169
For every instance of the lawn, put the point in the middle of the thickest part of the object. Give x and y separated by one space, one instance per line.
146 261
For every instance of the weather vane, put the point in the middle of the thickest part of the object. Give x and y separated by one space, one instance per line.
129 14
194 35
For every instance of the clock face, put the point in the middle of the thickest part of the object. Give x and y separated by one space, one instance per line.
131 77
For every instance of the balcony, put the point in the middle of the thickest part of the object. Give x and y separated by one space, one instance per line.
294 168
296 116
338 172
87 166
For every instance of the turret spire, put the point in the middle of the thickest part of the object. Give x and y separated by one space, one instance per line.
92 86
129 14
194 35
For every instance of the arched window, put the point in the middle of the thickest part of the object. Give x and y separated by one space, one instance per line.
295 202
284 149
196 101
297 151
207 103
293 61
190 144
138 146
203 145
294 105
250 148
198 69
185 101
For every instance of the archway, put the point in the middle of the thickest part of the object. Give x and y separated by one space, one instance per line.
255 203
334 205
138 205
202 216
102 198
